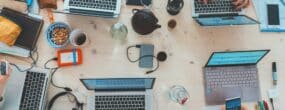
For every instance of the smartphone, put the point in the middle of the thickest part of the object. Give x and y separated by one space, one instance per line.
4 67
273 14
146 50
233 104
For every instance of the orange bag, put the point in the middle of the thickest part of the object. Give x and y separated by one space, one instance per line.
9 31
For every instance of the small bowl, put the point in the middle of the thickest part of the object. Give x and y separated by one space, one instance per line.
50 37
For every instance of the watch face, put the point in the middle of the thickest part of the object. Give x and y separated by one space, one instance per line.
233 104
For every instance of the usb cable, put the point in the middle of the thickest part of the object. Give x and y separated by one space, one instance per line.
283 2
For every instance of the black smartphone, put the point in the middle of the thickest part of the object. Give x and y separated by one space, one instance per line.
233 104
146 56
273 14
3 68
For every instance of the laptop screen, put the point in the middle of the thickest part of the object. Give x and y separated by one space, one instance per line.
118 83
236 58
221 21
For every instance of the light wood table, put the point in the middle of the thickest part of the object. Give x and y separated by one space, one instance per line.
188 45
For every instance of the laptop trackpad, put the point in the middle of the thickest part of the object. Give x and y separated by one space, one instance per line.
219 95
232 93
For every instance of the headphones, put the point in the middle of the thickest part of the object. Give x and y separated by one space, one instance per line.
79 106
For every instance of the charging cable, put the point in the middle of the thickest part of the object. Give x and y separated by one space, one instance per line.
67 91
133 61
32 57
283 2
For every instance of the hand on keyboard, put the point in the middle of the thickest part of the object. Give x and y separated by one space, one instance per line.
238 3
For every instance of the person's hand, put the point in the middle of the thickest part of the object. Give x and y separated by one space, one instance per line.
4 78
242 108
238 3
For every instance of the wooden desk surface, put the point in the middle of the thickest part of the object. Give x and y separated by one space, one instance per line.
188 46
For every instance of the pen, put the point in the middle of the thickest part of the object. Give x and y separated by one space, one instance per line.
266 105
274 73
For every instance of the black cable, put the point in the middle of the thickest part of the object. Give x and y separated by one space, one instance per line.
272 103
283 2
53 71
34 61
133 61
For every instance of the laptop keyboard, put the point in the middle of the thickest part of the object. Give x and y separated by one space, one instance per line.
215 6
219 77
95 4
120 102
33 90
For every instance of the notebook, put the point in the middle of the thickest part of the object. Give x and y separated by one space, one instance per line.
31 27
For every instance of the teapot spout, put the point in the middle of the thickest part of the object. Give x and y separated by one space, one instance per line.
157 26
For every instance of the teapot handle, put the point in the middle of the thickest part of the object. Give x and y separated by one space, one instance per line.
135 11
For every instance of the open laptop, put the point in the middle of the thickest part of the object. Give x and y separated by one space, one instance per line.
27 90
232 74
219 13
100 8
120 93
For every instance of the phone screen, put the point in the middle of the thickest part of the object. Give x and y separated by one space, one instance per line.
273 14
233 104
3 68
146 50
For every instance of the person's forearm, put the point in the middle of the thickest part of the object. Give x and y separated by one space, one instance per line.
2 87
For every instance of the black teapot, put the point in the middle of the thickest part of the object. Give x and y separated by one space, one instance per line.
144 21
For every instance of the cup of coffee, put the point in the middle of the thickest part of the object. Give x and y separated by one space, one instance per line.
78 38
172 24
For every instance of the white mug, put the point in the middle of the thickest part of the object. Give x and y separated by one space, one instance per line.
78 38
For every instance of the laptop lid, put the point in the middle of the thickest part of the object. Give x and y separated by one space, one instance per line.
223 20
236 58
120 84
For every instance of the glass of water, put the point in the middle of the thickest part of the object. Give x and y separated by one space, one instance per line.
119 31
179 94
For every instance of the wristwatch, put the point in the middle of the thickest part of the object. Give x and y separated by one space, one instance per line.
1 98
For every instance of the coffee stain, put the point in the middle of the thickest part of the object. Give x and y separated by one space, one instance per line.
94 51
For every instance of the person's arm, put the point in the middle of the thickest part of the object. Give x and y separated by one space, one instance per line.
3 82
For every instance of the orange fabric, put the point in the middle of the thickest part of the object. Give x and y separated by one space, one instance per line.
9 31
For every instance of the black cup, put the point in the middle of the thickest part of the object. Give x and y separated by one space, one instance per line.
174 6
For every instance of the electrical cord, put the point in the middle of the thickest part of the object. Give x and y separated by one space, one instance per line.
133 61
283 2
146 6
272 103
53 71
34 61
67 90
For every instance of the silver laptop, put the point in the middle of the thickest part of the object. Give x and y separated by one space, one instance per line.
219 13
27 90
120 93
232 74
100 8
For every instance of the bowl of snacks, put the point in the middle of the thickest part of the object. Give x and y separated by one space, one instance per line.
58 34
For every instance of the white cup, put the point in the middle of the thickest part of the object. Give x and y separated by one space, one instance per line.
78 38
